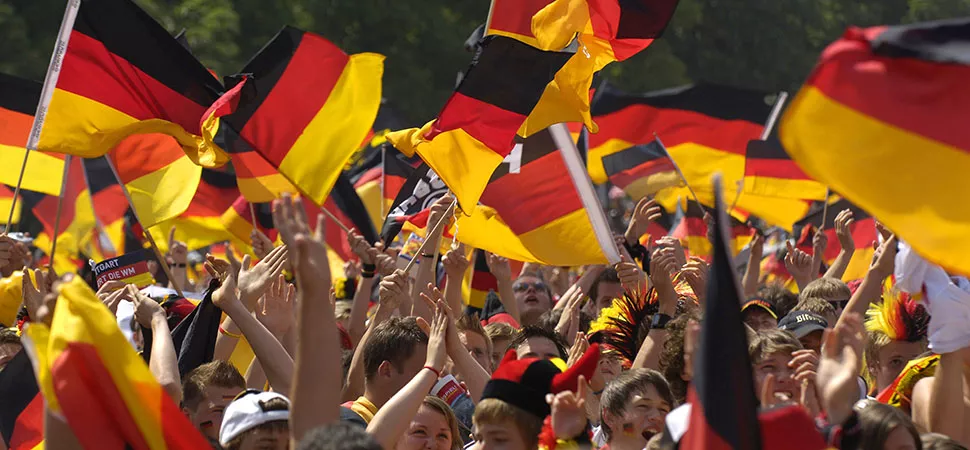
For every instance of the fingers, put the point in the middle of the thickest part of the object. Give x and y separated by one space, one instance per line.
423 325
171 238
319 234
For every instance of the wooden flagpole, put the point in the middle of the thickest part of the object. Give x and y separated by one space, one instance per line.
434 230
46 93
148 234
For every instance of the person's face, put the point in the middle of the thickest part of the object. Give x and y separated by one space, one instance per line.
899 439
477 346
207 417
267 440
644 416
759 319
429 430
892 358
537 347
7 352
400 376
812 341
776 364
532 296
499 347
501 436
604 297
610 366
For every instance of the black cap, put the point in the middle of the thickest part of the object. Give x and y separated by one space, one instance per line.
801 323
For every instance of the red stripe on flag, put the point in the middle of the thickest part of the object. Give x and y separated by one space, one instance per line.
28 431
489 124
624 178
551 195
774 168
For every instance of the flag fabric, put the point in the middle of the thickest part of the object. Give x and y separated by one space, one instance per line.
238 220
6 202
314 104
691 230
160 178
201 223
123 74
482 281
768 170
411 207
18 102
91 375
77 219
110 204
377 187
888 102
346 206
530 211
22 409
256 178
195 336
476 129
642 170
724 414
368 155
863 230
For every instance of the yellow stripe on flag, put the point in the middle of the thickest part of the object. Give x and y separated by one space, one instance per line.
44 172
165 193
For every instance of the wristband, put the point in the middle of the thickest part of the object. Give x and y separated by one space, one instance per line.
427 255
659 321
437 372
223 332
367 274
368 268
178 265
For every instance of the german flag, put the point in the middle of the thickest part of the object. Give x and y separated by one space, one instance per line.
476 129
110 204
22 410
691 230
368 156
347 207
378 186
238 221
411 207
256 178
534 213
201 223
18 101
863 234
91 375
6 201
482 281
76 223
725 405
314 105
769 171
889 102
642 170
123 74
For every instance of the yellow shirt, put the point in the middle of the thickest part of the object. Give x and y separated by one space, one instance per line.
364 408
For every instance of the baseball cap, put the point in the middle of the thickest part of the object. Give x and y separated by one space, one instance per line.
801 323
759 303
247 412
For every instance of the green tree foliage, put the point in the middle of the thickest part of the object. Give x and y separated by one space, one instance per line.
762 44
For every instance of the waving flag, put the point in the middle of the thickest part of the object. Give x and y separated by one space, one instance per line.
476 129
768 170
890 103
314 105
863 231
123 74
201 223
18 102
257 179
22 410
642 170
91 375
378 186
410 209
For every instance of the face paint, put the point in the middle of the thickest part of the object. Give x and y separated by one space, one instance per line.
629 429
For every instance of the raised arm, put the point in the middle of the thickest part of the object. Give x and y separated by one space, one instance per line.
502 271
843 229
663 264
799 265
368 260
752 273
440 212
456 265
163 362
870 290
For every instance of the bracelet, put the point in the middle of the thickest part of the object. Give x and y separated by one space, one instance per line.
223 332
427 255
368 268
437 372
367 274
178 265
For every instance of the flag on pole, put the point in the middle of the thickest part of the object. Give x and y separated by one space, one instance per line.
22 409
77 220
863 231
768 170
18 102
122 74
476 129
314 105
201 223
91 375
257 179
890 103
642 170
412 205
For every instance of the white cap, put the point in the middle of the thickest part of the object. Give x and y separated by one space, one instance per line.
246 413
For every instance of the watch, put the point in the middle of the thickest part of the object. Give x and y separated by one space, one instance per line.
659 321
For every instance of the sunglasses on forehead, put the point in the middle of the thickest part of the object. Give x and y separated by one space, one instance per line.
839 304
522 286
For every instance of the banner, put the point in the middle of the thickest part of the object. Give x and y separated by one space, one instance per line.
130 268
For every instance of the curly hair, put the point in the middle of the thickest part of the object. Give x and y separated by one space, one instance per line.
672 362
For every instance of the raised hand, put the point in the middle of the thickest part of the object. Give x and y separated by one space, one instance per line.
39 301
310 250
261 243
569 411
384 260
275 307
677 250
351 270
838 369
146 309
253 281
631 277
438 210
393 289
178 252
498 266
758 242
645 212
663 266
805 365
112 293
7 248
437 338
455 262
360 247
799 265
225 297
568 324
884 258
843 230
695 272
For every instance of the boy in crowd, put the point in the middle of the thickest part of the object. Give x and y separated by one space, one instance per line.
206 391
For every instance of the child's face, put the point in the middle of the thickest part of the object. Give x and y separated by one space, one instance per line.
498 436
776 364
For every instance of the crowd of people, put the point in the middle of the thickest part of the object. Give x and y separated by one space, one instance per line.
596 357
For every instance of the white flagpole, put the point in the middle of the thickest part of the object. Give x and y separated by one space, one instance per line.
46 93
773 117
584 187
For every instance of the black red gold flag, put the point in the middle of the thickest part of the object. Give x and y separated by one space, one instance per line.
476 129
22 409
313 106
881 120
123 74
863 230
201 224
18 102
693 235
768 170
378 186
482 281
642 170
724 414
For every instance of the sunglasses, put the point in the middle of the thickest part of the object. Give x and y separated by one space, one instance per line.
839 304
246 392
523 286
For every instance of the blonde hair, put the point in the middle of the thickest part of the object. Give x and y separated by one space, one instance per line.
495 411
500 330
826 288
816 305
440 406
769 342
